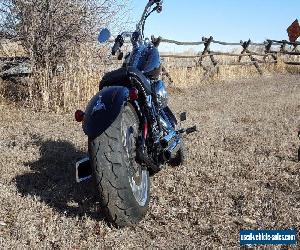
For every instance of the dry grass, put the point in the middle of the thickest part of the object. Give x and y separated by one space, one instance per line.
70 85
11 49
71 88
189 74
74 84
241 173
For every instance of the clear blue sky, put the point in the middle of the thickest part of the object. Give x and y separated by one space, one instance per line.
226 20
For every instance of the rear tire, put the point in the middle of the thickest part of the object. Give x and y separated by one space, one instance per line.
123 184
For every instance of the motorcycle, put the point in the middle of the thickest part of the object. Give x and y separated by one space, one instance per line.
132 133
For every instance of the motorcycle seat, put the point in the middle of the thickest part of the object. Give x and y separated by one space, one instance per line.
122 76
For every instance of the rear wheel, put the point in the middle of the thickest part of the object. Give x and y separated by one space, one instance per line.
123 184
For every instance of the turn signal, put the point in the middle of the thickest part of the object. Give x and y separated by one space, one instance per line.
79 115
133 94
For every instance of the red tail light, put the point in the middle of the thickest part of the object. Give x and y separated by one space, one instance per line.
145 130
79 115
133 94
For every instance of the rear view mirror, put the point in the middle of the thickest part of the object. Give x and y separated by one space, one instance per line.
104 35
159 9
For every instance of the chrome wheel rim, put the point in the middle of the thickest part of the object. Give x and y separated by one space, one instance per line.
138 177
140 192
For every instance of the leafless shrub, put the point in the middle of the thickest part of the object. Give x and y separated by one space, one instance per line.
53 32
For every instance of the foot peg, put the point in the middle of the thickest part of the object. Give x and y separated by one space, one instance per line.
191 130
188 130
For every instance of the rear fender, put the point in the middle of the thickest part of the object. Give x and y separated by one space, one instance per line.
103 109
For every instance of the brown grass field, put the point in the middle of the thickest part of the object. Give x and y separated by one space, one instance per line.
241 173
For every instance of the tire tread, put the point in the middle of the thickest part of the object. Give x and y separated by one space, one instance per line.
109 169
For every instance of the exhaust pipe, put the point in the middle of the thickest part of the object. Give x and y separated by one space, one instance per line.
172 150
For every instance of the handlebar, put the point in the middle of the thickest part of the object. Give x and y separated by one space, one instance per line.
119 41
156 41
147 12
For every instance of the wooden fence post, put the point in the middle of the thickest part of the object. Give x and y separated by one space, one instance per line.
295 49
245 46
209 71
207 42
283 46
268 47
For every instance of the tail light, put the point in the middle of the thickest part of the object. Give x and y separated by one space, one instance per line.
79 115
133 94
145 129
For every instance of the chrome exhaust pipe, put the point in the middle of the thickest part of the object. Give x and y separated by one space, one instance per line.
172 150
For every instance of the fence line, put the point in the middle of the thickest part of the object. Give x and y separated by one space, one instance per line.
21 65
267 46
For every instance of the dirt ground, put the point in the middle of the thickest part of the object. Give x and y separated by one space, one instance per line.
241 173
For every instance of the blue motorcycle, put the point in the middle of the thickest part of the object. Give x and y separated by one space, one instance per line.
132 133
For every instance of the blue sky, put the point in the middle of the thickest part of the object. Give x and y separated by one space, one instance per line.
225 20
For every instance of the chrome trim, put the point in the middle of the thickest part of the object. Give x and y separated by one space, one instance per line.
140 192
172 150
161 94
167 139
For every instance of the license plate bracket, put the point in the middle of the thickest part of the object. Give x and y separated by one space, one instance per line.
84 170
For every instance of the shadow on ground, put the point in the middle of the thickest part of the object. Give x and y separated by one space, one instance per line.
53 180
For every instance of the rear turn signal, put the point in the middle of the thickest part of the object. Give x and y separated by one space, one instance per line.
133 94
79 115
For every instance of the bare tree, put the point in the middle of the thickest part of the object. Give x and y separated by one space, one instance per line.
60 32
47 28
